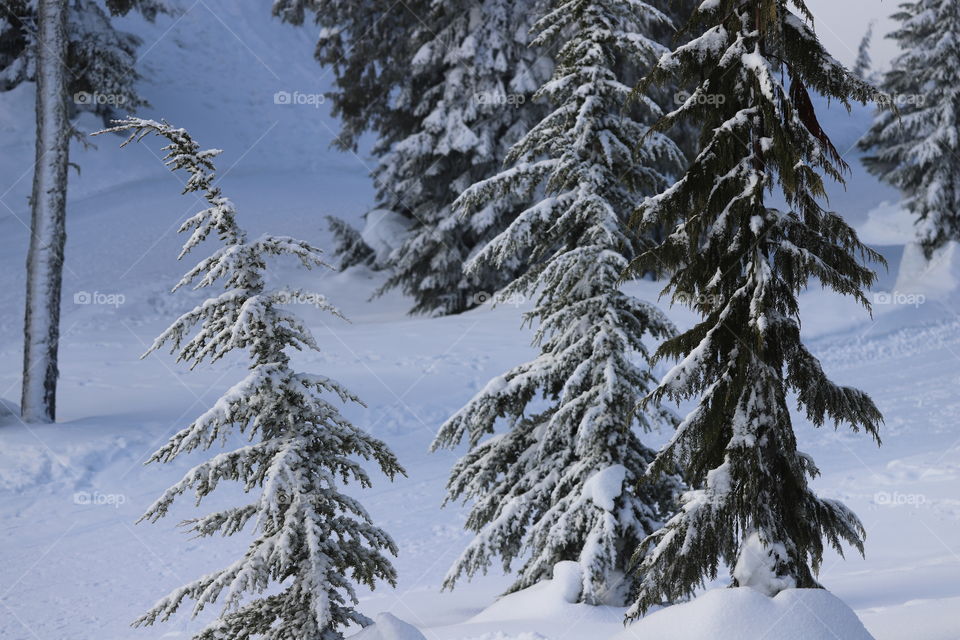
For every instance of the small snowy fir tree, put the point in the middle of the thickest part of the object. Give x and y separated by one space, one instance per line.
563 483
740 263
101 59
311 540
917 150
863 63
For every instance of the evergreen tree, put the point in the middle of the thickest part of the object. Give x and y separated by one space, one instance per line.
367 46
916 150
672 92
451 83
740 262
861 67
100 60
563 483
479 74
351 247
311 539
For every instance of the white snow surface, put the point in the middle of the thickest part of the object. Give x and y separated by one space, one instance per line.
383 231
552 595
741 613
76 566
933 278
389 627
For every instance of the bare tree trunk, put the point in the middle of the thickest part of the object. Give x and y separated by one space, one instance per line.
47 232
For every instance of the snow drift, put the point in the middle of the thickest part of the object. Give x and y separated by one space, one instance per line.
388 627
737 614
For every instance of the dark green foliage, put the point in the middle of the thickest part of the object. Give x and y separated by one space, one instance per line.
740 263
351 248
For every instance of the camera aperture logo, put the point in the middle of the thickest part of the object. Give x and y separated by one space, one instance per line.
493 299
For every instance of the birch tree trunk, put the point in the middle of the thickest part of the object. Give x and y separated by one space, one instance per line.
45 258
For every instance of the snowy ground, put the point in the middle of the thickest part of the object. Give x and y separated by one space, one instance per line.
76 566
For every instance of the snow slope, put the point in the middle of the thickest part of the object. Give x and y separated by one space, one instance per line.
76 566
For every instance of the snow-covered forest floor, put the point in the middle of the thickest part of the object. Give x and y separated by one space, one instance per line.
76 566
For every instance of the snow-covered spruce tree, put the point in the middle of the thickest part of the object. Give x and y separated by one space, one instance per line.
312 542
672 92
479 71
367 46
563 482
740 263
918 149
101 60
351 247
450 87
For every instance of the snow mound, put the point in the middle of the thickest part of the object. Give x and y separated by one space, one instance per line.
383 231
887 224
556 596
739 613
388 627
37 455
934 278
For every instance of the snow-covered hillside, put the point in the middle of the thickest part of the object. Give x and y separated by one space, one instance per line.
76 565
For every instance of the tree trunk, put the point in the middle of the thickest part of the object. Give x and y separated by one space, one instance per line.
47 232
